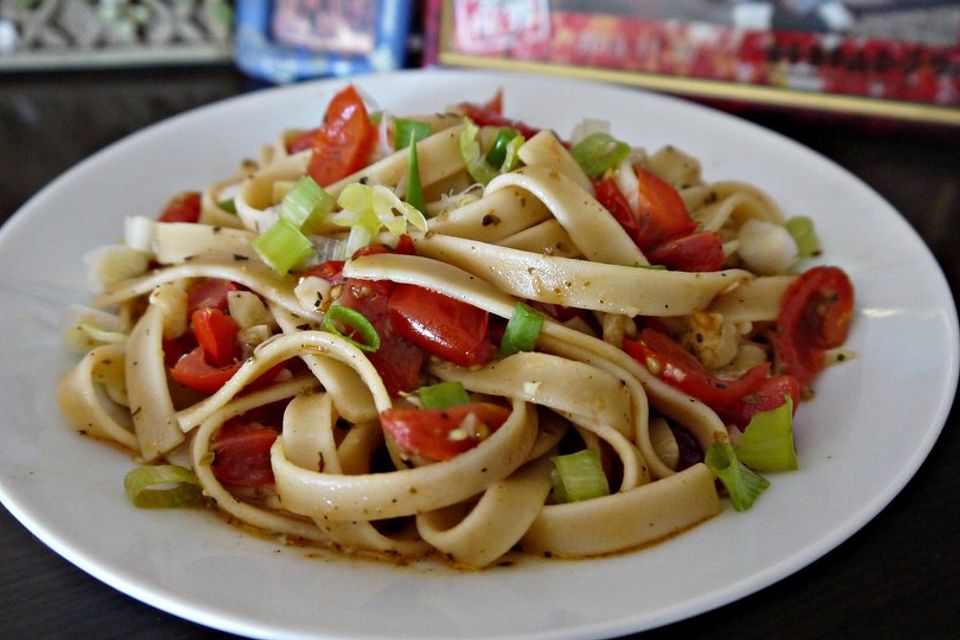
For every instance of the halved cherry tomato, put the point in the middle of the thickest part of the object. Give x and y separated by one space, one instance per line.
441 325
342 144
216 333
702 251
663 215
491 114
397 360
432 433
331 271
669 361
241 454
815 315
192 370
209 293
183 207
769 394
613 200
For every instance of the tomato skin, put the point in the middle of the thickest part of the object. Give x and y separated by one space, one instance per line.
426 432
193 371
491 114
216 333
397 361
769 394
669 361
663 215
613 200
183 207
342 144
815 315
697 252
441 325
209 293
241 454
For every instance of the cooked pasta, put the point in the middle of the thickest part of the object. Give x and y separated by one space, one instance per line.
457 336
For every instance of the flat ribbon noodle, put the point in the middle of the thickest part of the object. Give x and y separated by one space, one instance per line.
79 402
495 523
595 232
339 497
624 520
579 283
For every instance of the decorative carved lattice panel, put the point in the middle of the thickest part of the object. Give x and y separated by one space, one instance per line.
72 33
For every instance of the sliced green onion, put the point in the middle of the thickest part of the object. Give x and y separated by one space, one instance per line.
472 155
443 395
578 476
767 442
403 129
498 152
804 235
523 330
282 246
512 157
162 486
367 210
414 190
375 118
356 325
228 205
599 152
305 205
743 485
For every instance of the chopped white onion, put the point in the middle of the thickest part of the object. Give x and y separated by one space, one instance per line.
766 248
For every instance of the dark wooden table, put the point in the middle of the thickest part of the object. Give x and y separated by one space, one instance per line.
896 578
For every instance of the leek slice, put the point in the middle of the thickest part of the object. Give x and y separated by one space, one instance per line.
767 443
368 209
282 246
578 476
599 152
522 331
305 205
743 485
804 235
472 155
443 395
356 325
162 486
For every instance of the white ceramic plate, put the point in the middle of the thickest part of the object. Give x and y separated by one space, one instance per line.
860 441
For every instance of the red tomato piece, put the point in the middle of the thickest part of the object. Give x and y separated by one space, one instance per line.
702 251
397 360
663 215
342 144
669 361
241 454
432 433
491 114
441 325
216 333
183 207
193 371
815 315
331 271
613 200
769 394
209 293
